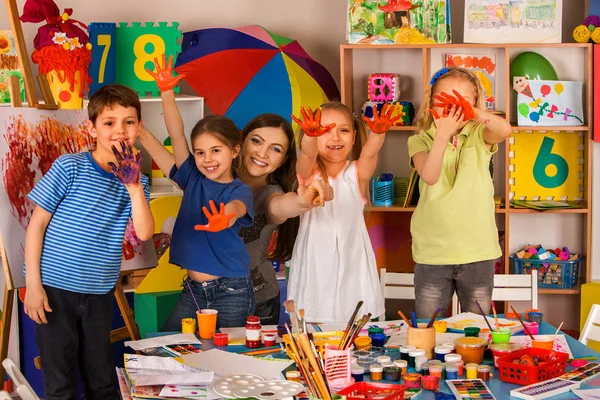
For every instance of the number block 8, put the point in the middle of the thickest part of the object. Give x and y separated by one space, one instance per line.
138 46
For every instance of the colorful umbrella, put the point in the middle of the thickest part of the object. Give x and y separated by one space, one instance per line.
247 71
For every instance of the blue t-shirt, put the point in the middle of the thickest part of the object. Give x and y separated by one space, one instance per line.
217 253
90 209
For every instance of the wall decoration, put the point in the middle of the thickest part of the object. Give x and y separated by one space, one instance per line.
102 69
546 165
548 103
398 21
9 66
506 21
484 67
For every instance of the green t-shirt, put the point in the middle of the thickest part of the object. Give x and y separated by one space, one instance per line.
454 221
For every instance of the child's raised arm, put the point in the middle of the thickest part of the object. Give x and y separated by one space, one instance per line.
224 218
367 162
307 159
497 129
166 82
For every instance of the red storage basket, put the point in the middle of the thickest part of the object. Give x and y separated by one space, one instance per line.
551 364
369 390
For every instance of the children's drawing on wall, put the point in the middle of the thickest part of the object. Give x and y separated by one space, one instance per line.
508 21
398 21
484 67
32 139
9 65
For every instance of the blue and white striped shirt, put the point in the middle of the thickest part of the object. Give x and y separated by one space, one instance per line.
84 240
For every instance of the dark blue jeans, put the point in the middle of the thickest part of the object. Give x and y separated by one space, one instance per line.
233 298
77 334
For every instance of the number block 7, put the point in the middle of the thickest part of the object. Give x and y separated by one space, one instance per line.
102 68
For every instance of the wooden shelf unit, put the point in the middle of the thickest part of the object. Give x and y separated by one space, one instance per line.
573 61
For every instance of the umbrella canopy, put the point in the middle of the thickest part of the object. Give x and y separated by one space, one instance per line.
247 71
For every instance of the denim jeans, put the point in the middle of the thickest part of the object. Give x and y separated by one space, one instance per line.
77 334
233 298
435 285
269 311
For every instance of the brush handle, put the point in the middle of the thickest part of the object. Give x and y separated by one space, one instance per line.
521 321
404 318
495 317
319 379
483 315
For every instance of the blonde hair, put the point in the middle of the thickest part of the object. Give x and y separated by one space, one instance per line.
424 117
360 132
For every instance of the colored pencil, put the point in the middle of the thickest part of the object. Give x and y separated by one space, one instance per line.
483 315
430 324
414 319
521 321
401 314
588 358
267 350
496 317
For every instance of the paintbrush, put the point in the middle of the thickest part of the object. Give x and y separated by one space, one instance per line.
301 362
301 312
319 379
484 317
556 333
359 327
521 321
290 307
431 321
404 318
495 317
349 325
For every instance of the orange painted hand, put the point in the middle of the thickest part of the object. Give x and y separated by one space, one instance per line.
382 123
312 123
217 221
446 101
164 75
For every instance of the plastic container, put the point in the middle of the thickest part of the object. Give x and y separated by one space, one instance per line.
376 372
338 367
452 358
419 361
293 376
503 349
441 351
551 274
436 370
412 380
440 326
532 327
362 343
404 350
471 369
402 364
221 339
269 340
551 364
253 332
528 311
430 382
451 371
369 390
358 373
501 337
377 337
413 354
536 317
392 373
545 342
483 372
425 369
471 349
472 331
383 359
382 192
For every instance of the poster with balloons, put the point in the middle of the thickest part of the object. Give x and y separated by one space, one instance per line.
548 103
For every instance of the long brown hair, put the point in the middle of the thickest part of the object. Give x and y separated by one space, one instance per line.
223 129
284 176
424 118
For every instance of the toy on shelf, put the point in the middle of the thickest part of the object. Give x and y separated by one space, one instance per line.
405 109
384 87
382 190
588 31
557 268
62 51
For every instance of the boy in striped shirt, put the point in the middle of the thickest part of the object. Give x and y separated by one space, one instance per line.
73 247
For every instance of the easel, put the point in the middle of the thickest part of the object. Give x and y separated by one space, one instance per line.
130 330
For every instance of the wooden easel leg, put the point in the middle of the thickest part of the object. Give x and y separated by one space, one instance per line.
130 330
9 296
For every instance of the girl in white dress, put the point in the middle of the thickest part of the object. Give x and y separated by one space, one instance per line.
333 264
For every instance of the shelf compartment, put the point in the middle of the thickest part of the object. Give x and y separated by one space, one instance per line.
550 128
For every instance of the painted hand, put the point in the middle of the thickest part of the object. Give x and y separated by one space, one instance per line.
164 75
128 166
217 221
381 123
312 123
445 101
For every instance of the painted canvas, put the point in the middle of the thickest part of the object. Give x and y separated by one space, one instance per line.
510 21
31 140
484 66
9 65
398 21
548 103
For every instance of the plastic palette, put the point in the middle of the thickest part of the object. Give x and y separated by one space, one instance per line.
269 390
226 386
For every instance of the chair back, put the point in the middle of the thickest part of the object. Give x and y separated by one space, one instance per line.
591 329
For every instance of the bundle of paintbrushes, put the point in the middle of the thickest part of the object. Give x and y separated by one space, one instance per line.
353 328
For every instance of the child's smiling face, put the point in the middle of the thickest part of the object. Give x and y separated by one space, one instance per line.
213 157
336 145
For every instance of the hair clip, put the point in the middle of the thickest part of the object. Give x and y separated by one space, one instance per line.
437 75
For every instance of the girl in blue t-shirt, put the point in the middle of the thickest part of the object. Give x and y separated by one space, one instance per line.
206 242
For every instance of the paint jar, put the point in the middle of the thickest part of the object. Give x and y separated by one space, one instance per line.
221 339
422 338
450 345
362 343
269 340
293 376
435 362
383 359
358 373
452 371
483 372
546 343
530 311
472 331
441 351
392 373
471 349
377 337
387 364
501 337
471 370
353 361
536 317
404 350
425 369
188 325
435 370
503 349
402 364
430 382
532 327
460 365
419 361
413 354
452 358
412 380
440 326
376 372
253 332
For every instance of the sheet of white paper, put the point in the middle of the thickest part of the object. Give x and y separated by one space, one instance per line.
457 323
440 338
560 344
150 370
587 394
179 338
224 363
189 392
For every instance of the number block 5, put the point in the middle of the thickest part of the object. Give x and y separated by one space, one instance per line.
138 46
546 165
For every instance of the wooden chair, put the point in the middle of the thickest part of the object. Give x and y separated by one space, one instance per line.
396 285
591 329
510 287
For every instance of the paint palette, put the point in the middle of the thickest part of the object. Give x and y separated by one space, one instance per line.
583 373
543 390
470 389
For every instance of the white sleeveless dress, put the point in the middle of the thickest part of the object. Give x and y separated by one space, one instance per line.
333 263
